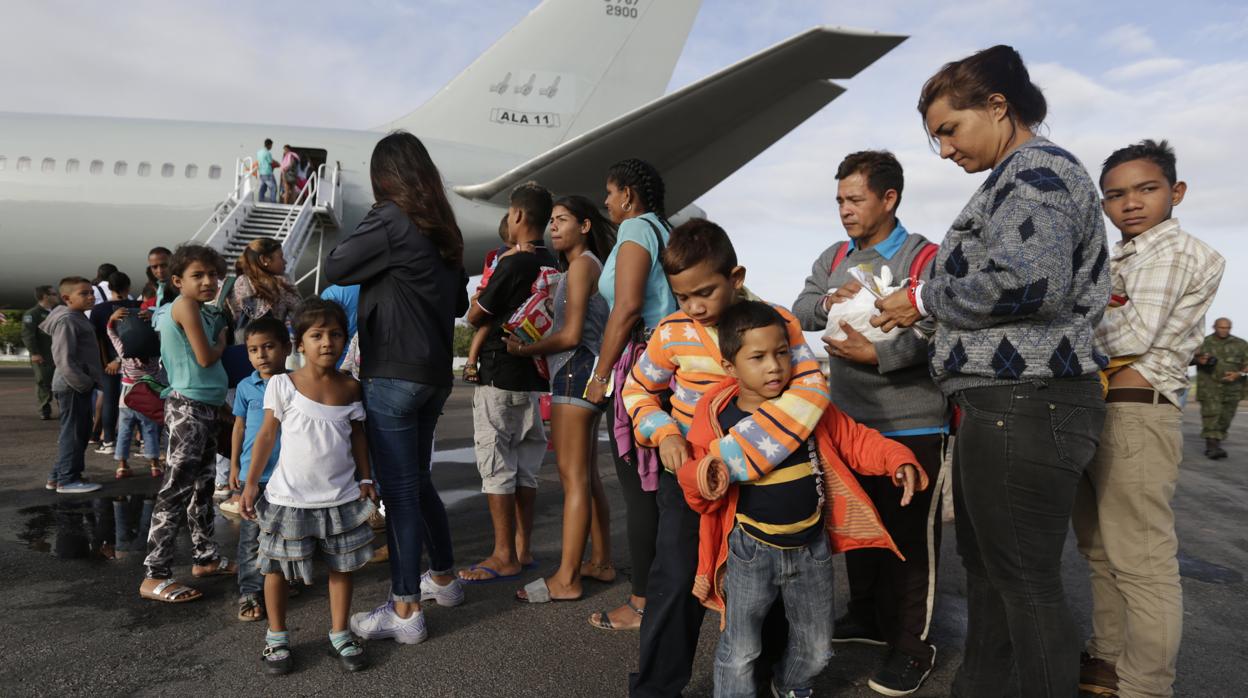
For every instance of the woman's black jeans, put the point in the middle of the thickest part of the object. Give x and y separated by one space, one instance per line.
1018 457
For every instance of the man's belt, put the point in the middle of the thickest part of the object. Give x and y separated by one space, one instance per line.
1148 396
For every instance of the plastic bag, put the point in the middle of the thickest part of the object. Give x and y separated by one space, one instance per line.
858 311
535 317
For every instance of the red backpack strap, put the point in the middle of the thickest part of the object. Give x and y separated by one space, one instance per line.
925 257
841 253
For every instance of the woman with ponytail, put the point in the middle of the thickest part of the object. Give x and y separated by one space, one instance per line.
1019 284
262 289
636 289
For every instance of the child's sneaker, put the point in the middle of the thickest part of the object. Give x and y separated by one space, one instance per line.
231 506
792 692
383 623
221 492
79 487
902 674
450 595
105 449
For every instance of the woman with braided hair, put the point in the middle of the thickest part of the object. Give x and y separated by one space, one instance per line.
636 290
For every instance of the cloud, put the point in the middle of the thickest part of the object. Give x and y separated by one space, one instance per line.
1147 68
1129 39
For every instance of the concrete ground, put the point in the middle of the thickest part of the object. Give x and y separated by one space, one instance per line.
74 624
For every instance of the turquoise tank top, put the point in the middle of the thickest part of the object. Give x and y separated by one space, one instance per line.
658 302
186 377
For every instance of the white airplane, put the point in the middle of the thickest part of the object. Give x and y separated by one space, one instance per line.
76 191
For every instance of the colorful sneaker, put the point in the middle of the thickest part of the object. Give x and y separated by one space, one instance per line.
78 487
1097 676
902 674
383 623
450 595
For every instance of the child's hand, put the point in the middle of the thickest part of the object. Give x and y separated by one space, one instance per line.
673 452
235 485
248 506
117 315
906 477
367 491
716 479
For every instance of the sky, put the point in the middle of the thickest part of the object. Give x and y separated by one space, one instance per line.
1113 73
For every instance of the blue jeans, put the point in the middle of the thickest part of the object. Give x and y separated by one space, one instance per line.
250 580
125 434
1020 453
757 573
401 420
268 188
77 410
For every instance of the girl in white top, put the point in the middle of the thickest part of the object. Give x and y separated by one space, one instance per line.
313 499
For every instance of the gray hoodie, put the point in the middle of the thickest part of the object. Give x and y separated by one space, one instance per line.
74 350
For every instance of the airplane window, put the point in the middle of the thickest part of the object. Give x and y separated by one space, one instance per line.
145 169
23 164
71 166
119 168
214 172
48 165
191 171
97 166
166 170
3 162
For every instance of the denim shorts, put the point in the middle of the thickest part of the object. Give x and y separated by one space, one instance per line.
567 386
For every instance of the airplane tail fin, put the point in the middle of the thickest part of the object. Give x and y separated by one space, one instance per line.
566 68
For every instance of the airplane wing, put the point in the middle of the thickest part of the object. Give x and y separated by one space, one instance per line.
700 134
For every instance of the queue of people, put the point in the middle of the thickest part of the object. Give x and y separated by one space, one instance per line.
1052 363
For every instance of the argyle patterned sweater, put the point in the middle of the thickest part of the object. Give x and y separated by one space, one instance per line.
1021 278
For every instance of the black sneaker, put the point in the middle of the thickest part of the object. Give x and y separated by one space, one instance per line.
902 674
848 629
276 659
350 662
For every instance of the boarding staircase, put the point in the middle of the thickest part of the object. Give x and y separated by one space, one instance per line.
241 218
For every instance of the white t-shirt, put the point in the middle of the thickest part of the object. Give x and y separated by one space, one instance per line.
315 468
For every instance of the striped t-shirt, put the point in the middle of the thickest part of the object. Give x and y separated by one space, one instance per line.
784 509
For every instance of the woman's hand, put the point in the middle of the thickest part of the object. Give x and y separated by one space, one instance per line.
907 478
596 391
896 310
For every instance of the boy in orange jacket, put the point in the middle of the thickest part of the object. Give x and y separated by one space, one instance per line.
777 534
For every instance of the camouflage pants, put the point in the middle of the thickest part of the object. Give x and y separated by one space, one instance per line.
186 492
1218 404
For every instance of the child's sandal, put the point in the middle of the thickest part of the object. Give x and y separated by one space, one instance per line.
276 659
470 374
250 609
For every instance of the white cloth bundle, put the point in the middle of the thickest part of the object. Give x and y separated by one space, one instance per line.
858 311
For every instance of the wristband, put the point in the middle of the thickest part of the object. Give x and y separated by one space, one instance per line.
910 293
366 481
604 381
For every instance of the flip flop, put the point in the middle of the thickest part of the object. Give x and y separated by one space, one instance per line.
604 618
494 576
538 592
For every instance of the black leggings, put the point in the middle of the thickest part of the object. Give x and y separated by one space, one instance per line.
642 511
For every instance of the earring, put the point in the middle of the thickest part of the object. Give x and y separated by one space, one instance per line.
628 206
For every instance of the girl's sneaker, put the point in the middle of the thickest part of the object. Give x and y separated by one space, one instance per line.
450 595
383 623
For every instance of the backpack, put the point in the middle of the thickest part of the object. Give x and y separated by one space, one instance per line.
139 339
925 257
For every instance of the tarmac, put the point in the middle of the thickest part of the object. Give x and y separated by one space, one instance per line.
73 622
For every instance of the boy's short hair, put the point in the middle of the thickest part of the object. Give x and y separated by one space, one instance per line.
42 292
268 326
71 281
1160 154
314 311
742 317
535 201
190 252
880 168
698 240
119 282
268 142
159 250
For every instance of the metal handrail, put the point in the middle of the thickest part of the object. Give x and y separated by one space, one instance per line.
301 201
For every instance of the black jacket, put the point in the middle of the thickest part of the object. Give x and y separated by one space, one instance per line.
409 297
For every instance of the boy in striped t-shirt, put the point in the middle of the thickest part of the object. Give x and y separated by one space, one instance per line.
683 356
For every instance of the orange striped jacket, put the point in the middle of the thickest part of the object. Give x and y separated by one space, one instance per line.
849 518
689 351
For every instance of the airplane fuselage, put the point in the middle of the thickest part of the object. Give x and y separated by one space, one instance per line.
79 191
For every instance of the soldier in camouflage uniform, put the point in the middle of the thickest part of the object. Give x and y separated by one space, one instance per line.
1221 364
39 345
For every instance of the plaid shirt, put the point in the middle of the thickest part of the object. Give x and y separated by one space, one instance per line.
1169 279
